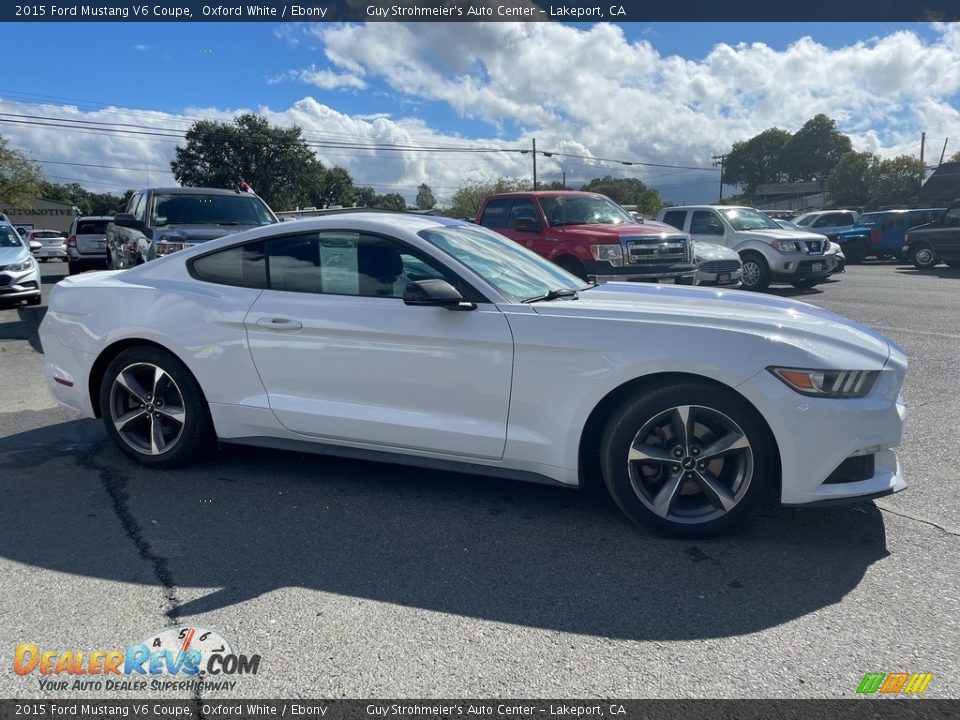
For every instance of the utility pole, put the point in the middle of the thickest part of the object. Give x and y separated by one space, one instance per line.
923 143
564 179
943 152
718 161
534 163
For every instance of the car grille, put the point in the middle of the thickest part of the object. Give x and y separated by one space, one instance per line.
719 265
656 250
5 280
815 246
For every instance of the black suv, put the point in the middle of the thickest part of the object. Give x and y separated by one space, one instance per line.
927 245
160 221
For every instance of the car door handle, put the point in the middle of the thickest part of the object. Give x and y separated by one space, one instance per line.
279 323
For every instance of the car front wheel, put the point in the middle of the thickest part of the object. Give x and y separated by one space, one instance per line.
688 460
756 273
924 257
153 408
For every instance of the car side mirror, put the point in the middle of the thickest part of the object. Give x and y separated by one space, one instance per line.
436 293
525 225
126 220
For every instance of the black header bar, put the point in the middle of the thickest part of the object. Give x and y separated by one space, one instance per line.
486 11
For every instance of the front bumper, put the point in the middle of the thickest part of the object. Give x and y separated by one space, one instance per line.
604 272
20 285
815 436
51 252
796 266
720 279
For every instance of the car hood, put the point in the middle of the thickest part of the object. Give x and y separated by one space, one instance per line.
13 255
712 251
195 233
779 234
823 334
611 231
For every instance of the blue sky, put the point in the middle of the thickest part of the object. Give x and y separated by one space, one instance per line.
460 84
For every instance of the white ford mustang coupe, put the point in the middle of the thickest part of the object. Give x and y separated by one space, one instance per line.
442 344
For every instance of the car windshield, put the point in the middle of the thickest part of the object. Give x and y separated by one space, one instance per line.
805 219
871 219
198 209
516 272
9 237
584 210
748 219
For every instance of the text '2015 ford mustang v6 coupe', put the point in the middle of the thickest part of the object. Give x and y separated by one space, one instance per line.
439 343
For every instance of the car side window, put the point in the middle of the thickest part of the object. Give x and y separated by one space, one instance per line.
346 263
705 222
139 207
845 220
132 203
952 216
524 210
495 213
824 221
675 218
241 265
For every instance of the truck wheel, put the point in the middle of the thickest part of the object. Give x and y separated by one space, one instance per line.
756 272
687 460
924 257
855 252
573 266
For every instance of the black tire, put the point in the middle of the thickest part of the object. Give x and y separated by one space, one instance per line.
755 274
34 300
184 443
754 465
573 266
806 284
923 257
855 251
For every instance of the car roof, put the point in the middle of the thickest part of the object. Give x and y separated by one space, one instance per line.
95 217
195 191
547 193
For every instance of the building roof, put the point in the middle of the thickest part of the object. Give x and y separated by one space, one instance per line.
943 187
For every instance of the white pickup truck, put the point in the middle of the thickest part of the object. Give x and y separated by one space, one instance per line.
769 253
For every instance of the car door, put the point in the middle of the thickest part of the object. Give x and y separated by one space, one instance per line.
944 235
525 226
707 226
343 357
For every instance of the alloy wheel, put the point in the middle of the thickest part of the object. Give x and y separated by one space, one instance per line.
147 408
751 273
690 464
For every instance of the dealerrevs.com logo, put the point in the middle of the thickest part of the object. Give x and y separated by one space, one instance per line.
894 683
176 658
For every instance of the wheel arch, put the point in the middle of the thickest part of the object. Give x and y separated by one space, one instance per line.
588 452
100 365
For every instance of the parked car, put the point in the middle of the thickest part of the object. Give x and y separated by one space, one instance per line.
881 234
834 248
86 243
716 265
159 221
828 222
590 236
768 252
433 342
927 245
19 272
53 245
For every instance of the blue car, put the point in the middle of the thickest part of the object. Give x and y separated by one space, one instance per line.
881 234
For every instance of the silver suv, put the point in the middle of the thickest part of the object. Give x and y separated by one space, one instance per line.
86 244
768 252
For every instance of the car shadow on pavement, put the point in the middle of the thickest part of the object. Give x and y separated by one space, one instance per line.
26 327
940 271
250 522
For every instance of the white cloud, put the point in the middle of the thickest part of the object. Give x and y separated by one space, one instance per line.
580 91
142 48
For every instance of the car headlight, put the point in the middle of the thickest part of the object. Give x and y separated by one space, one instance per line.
612 254
787 245
27 264
828 383
165 248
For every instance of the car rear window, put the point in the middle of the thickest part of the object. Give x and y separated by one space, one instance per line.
92 227
46 235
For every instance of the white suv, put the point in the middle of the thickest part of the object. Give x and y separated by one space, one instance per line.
769 253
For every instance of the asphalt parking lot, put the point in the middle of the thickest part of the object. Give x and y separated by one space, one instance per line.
357 579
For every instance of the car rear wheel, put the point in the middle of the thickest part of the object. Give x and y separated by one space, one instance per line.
688 460
924 257
153 408
755 274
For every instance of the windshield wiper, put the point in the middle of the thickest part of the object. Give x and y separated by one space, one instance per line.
552 295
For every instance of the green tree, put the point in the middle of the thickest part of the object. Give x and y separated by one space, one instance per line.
390 201
627 191
363 196
467 198
333 187
275 161
814 150
897 181
955 157
756 161
20 179
425 199
850 182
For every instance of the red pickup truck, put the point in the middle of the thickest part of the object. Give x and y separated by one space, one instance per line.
590 236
